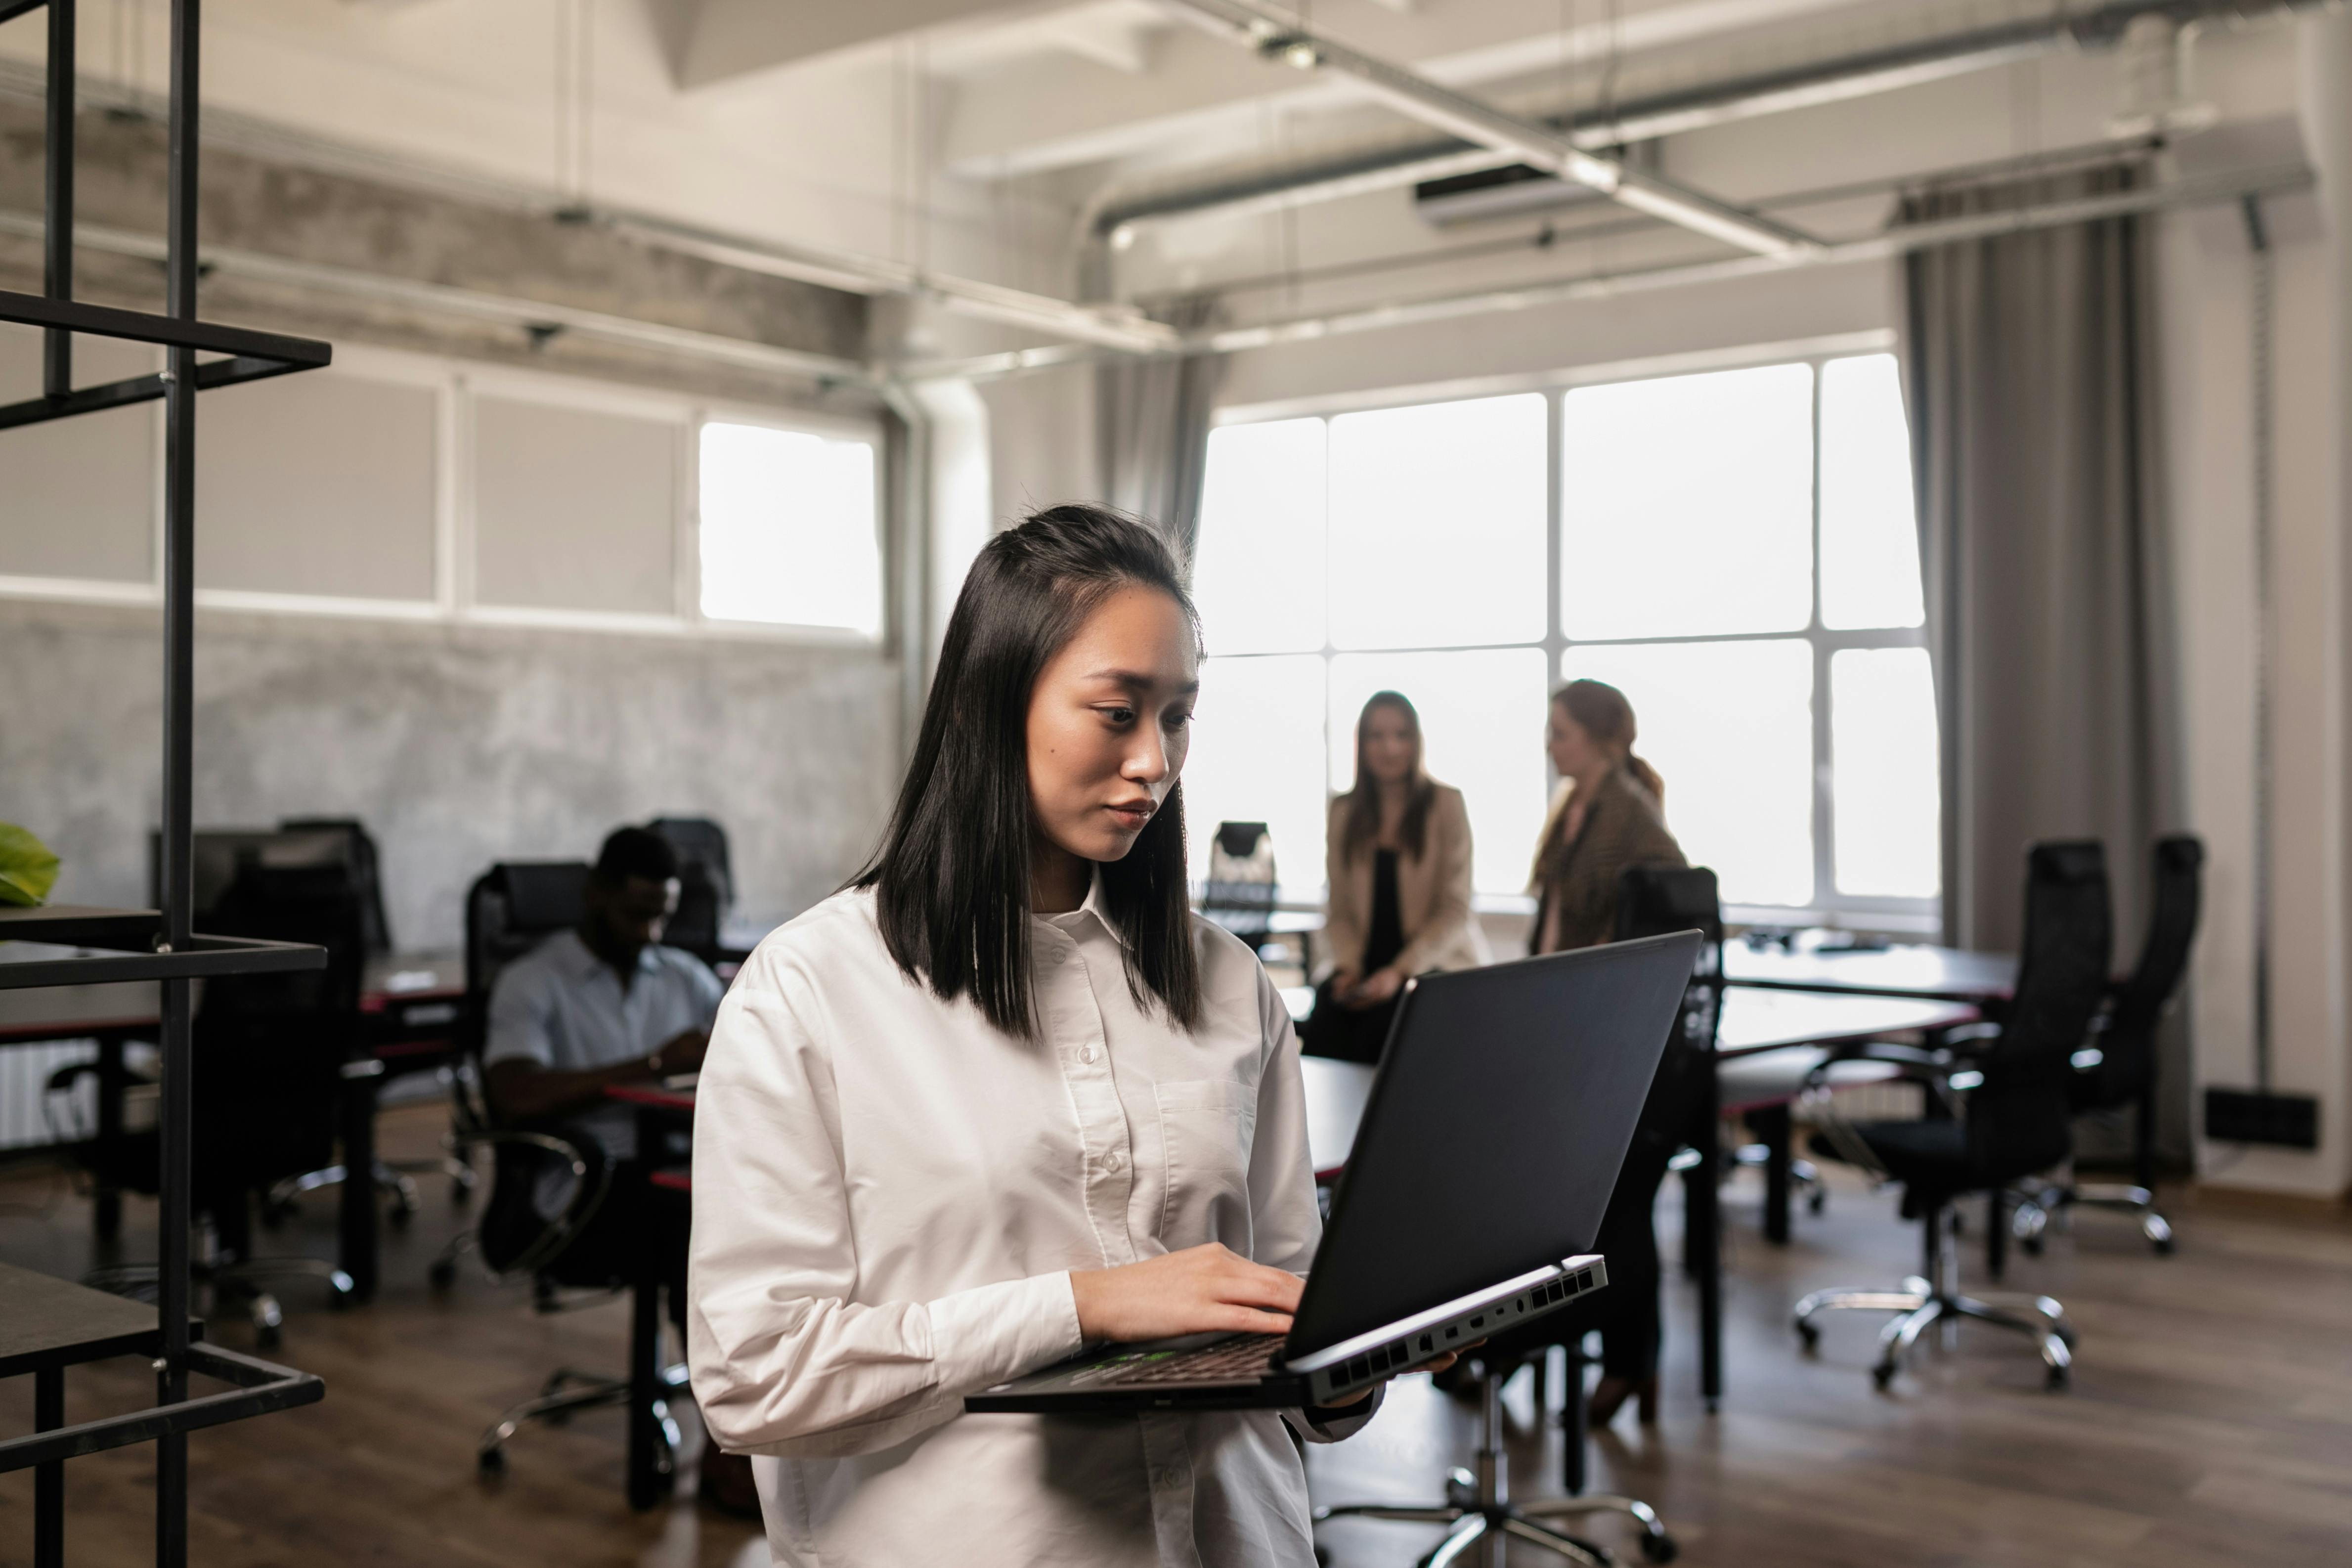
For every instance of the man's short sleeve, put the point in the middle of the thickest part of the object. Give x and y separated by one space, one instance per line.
709 991
520 1006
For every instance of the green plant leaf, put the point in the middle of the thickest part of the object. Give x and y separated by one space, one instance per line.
27 870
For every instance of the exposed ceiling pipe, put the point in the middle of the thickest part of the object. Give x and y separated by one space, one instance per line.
1275 34
1333 173
1110 326
2197 190
439 299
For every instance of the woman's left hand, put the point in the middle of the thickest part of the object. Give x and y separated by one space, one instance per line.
1377 987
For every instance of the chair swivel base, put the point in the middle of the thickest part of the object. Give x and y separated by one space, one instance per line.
1918 1305
2034 1209
242 1280
568 1390
1480 1512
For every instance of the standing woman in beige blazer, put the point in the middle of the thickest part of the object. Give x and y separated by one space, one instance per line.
1398 862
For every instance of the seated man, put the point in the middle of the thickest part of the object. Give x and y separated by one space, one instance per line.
590 1009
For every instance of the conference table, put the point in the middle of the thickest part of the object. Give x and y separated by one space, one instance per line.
1809 962
409 1009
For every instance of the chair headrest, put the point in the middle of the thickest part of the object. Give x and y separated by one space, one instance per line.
543 895
1240 840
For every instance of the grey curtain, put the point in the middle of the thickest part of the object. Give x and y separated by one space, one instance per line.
1153 425
2030 368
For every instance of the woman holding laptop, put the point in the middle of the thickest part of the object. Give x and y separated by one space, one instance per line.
1002 1097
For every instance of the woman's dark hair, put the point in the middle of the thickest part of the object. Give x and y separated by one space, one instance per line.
1362 826
951 878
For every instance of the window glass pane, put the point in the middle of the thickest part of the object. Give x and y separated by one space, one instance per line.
1481 717
1730 728
1257 571
788 529
1870 545
1885 789
1437 524
1257 756
1686 505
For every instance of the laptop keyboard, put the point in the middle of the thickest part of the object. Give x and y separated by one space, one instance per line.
1228 1360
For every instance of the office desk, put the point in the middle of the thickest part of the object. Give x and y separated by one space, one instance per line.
1930 974
409 1006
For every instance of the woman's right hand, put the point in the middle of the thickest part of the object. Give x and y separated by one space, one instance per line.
1193 1291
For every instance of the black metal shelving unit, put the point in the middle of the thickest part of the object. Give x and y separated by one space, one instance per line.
47 1325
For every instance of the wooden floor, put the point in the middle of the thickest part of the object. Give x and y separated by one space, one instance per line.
2210 1422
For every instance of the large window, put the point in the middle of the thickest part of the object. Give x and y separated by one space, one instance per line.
788 529
1734 550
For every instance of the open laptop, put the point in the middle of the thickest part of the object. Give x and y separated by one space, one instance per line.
1497 1122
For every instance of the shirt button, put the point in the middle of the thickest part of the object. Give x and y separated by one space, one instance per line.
1086 1054
1114 1161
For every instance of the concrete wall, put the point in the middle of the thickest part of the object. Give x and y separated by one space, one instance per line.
458 745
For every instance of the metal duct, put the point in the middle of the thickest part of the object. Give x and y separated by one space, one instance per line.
1255 26
1334 173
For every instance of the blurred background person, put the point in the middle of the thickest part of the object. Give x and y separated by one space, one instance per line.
1609 816
1398 864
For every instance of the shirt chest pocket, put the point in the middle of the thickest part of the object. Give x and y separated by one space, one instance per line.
1206 1128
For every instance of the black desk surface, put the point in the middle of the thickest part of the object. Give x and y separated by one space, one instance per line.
46 1321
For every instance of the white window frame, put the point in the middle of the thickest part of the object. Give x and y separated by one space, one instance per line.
1910 917
456 384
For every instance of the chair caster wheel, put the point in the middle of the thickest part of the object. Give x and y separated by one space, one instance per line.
1882 1377
2032 1246
1660 1548
2164 1248
490 1464
442 1274
2056 1380
1810 1336
1817 1203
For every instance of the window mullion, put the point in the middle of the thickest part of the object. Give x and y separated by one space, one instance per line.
1825 892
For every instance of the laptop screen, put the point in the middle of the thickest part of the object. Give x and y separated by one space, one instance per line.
1503 1109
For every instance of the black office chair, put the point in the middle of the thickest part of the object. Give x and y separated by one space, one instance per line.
367 877
2116 1069
394 1178
510 910
267 1053
1240 892
706 896
2012 1084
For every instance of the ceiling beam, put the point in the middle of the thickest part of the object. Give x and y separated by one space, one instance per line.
1275 34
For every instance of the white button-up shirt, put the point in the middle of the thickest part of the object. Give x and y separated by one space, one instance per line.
888 1197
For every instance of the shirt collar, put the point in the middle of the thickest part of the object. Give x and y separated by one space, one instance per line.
585 961
1076 921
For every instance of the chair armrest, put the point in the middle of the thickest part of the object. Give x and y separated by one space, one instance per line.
590 1170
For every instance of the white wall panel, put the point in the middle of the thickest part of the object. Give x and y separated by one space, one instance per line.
574 509
78 496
